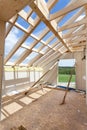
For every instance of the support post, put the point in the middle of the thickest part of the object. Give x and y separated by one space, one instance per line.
86 69
2 44
14 70
41 77
86 56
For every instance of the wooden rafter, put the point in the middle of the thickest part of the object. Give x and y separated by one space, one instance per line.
73 17
9 27
72 40
26 53
19 43
76 24
68 9
49 24
51 3
72 31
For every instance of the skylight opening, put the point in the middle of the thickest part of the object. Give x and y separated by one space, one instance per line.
56 43
65 31
46 1
29 41
49 34
33 15
59 5
39 29
27 8
22 22
17 54
80 17
12 38
53 41
44 49
38 46
57 46
41 47
30 57
67 17
47 54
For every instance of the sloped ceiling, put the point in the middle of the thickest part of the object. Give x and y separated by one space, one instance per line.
40 31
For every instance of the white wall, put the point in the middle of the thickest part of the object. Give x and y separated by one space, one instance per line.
51 77
80 71
19 80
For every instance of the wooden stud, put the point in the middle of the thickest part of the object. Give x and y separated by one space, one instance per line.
2 45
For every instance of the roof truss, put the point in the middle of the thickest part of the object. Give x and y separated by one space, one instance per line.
53 40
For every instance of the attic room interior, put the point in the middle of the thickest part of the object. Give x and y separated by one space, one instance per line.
35 35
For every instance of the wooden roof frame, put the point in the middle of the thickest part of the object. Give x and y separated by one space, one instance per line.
68 41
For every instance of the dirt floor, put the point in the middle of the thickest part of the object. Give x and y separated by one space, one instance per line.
46 113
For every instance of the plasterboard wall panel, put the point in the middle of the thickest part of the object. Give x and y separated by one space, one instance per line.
51 77
80 71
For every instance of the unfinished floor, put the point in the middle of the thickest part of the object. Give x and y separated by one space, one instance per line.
46 113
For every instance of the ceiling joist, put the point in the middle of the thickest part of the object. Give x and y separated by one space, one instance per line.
68 9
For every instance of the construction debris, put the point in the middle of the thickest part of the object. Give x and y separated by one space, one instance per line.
19 128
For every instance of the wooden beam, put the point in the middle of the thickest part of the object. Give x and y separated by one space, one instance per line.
79 39
34 60
19 43
86 54
86 66
79 44
57 46
78 33
60 18
49 60
51 3
29 13
55 58
73 30
42 77
74 49
73 25
41 47
48 40
23 14
21 40
22 57
2 47
48 57
55 43
47 54
62 50
42 5
68 9
30 49
9 27
48 23
74 17
21 27
43 57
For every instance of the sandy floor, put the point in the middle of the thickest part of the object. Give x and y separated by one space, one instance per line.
45 113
